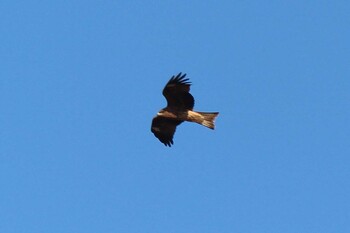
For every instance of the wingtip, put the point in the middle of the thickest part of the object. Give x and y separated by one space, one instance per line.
180 78
169 143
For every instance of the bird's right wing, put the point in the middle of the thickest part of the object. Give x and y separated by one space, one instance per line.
164 129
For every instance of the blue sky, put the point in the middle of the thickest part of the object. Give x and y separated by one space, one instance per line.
81 81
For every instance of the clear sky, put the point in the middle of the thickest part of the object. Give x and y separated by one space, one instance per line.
81 81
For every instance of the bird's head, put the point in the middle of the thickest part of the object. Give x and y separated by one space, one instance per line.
161 112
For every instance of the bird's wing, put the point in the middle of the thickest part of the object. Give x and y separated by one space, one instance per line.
164 129
176 92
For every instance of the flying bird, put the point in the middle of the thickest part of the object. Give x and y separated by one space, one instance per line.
179 108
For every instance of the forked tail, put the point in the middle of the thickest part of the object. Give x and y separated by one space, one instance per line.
208 119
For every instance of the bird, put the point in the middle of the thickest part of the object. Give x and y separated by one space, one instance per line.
179 108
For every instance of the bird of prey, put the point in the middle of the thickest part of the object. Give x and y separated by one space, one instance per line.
179 109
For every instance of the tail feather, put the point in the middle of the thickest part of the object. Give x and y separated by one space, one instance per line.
208 119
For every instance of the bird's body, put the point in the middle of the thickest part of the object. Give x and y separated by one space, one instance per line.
203 118
179 109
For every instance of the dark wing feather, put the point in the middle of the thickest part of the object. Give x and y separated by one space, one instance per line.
164 129
176 92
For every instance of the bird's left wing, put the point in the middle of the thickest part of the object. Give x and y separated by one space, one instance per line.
177 92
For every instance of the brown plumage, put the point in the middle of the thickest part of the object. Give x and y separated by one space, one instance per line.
179 109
